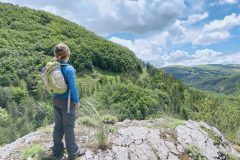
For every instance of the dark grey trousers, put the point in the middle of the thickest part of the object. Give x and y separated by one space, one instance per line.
64 125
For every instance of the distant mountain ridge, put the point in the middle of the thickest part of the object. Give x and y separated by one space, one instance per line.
212 77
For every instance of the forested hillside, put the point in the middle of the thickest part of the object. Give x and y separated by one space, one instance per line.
109 76
212 77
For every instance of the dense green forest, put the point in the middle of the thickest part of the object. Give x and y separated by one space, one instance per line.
213 77
108 75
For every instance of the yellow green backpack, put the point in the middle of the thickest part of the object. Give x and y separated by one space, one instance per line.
53 78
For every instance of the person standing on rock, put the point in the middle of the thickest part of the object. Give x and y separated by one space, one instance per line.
64 118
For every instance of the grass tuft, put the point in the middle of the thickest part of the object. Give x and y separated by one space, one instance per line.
195 153
87 121
35 152
175 122
109 119
102 139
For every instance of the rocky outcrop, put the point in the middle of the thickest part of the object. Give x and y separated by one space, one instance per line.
13 150
153 140
211 142
162 139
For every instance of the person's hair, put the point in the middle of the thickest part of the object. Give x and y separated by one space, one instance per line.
61 51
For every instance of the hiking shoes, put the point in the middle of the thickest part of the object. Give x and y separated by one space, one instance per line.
53 157
79 153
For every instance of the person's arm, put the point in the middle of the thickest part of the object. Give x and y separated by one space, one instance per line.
72 85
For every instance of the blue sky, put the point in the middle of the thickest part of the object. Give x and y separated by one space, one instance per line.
174 32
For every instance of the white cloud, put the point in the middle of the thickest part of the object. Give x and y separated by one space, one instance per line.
196 18
227 2
154 48
182 32
111 16
211 37
153 53
230 1
195 6
144 49
223 2
226 24
206 53
205 56
176 56
179 32
217 30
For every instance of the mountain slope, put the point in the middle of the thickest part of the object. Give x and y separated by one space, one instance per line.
27 30
217 78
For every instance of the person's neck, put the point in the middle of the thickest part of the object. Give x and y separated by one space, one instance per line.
66 61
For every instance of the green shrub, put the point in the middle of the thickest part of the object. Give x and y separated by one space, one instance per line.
35 152
4 118
231 157
129 101
109 119
237 137
195 153
215 138
175 122
87 121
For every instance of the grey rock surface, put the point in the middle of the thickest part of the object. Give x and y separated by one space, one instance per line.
145 140
140 140
13 150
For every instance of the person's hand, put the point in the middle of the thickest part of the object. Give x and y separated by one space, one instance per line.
78 104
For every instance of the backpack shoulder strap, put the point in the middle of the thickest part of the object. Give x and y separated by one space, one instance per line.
69 101
64 64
